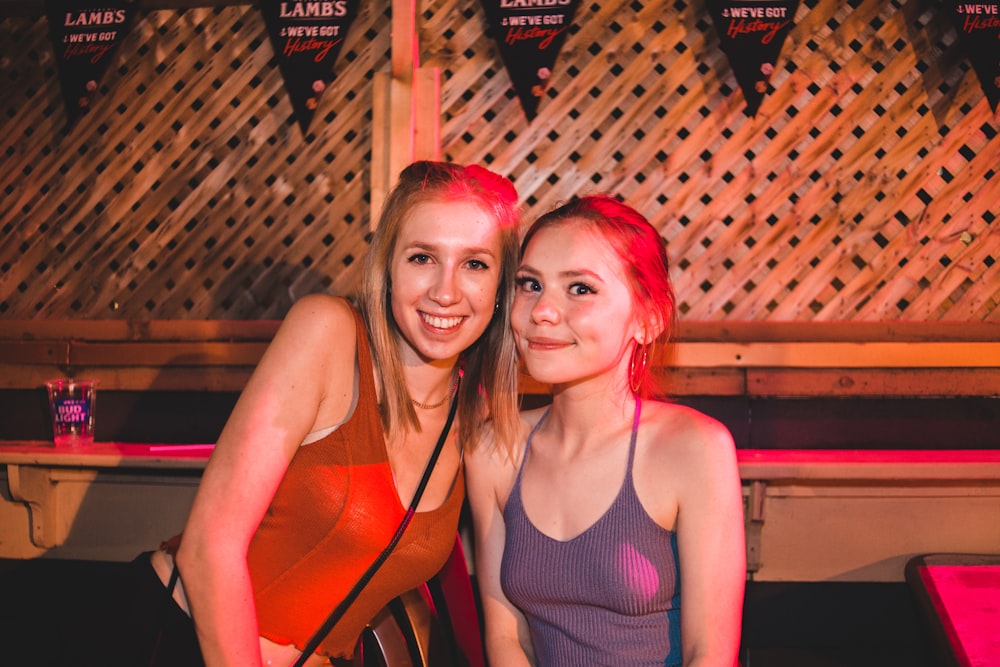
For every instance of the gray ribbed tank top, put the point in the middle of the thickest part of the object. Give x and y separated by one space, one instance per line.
608 597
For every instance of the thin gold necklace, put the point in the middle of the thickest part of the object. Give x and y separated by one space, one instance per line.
431 406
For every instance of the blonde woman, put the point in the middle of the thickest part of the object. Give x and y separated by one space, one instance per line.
325 446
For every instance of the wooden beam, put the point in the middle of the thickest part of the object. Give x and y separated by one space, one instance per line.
137 330
406 109
798 360
842 331
797 354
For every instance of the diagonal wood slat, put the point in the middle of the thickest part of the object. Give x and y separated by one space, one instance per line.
188 189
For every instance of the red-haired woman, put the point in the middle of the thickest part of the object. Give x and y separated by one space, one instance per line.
613 534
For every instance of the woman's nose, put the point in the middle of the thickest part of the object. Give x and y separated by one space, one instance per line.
544 309
445 290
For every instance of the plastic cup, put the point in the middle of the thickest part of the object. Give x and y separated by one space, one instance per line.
72 403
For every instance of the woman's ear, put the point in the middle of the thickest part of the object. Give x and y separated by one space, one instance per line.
650 329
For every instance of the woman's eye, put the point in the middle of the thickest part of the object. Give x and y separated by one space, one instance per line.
527 284
419 258
478 265
578 289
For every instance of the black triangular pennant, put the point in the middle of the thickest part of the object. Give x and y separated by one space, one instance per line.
85 35
530 34
751 34
307 36
978 25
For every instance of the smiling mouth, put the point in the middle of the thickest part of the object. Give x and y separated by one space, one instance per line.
546 344
445 323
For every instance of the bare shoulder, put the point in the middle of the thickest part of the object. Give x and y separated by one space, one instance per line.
684 435
318 325
491 453
312 357
530 418
320 312
490 462
684 421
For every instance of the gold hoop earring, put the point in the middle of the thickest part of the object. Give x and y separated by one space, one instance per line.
637 367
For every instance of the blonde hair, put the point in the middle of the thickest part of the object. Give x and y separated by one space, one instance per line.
489 386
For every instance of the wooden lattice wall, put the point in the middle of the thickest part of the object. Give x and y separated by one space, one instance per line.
189 191
865 188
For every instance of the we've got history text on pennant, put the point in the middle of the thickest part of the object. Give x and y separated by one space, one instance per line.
978 25
85 35
307 36
530 34
751 34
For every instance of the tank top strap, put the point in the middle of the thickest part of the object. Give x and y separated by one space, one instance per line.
635 433
631 445
366 367
527 446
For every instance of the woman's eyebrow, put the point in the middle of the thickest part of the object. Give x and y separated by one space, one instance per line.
567 274
581 273
473 250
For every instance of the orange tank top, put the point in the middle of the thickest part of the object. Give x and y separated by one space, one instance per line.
334 511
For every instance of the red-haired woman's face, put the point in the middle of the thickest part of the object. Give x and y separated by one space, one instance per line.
573 315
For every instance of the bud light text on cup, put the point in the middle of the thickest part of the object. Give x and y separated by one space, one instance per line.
71 410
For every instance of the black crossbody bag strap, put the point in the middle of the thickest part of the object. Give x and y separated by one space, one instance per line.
352 595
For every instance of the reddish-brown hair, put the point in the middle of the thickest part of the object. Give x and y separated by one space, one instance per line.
643 255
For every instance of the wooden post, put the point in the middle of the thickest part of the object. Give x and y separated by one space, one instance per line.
406 108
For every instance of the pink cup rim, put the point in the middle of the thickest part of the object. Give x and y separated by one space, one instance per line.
71 382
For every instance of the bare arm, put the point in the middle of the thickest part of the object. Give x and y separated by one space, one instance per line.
305 376
712 550
489 476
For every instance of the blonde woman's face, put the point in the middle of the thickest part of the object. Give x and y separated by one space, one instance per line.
444 271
